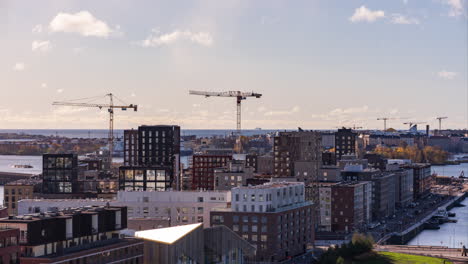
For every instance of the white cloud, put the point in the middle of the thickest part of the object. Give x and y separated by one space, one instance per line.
59 90
293 110
37 29
83 23
456 7
19 66
403 20
43 46
154 39
363 14
347 111
44 85
446 75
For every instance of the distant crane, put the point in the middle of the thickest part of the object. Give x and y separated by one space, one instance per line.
239 97
110 108
413 123
440 121
385 121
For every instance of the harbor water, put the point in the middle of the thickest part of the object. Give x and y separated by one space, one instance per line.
453 235
449 234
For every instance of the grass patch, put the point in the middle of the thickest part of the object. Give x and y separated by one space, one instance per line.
399 258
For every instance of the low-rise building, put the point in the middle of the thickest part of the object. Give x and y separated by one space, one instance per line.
193 244
18 190
9 245
235 174
83 235
180 207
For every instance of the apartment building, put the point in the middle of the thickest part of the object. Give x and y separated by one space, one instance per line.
59 173
83 235
235 174
345 142
203 167
18 190
179 207
274 217
351 204
151 159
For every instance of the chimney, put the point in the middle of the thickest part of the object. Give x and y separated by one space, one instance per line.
427 130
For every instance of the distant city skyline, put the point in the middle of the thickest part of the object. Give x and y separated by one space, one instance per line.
319 64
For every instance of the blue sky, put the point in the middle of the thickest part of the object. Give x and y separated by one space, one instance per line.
319 64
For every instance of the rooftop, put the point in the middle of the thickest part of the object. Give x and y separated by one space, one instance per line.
24 182
65 213
270 185
167 235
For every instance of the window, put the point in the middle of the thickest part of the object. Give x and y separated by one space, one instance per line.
252 198
235 228
218 219
237 197
200 210
254 228
245 228
254 237
235 219
245 219
263 238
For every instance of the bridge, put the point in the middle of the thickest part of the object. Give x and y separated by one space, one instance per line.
452 254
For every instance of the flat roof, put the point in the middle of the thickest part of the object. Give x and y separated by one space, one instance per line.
167 235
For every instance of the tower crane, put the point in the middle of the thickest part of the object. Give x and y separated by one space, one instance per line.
239 97
385 121
110 108
440 121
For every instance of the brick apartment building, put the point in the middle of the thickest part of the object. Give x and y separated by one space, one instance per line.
350 206
203 167
10 249
274 217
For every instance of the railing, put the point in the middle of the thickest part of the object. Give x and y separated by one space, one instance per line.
99 243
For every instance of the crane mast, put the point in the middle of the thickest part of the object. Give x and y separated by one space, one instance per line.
239 97
110 108
440 121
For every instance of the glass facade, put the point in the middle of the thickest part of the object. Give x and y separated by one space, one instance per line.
60 173
145 178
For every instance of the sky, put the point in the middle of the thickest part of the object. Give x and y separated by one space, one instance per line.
319 64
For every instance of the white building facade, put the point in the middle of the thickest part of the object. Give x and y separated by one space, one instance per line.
181 207
267 197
